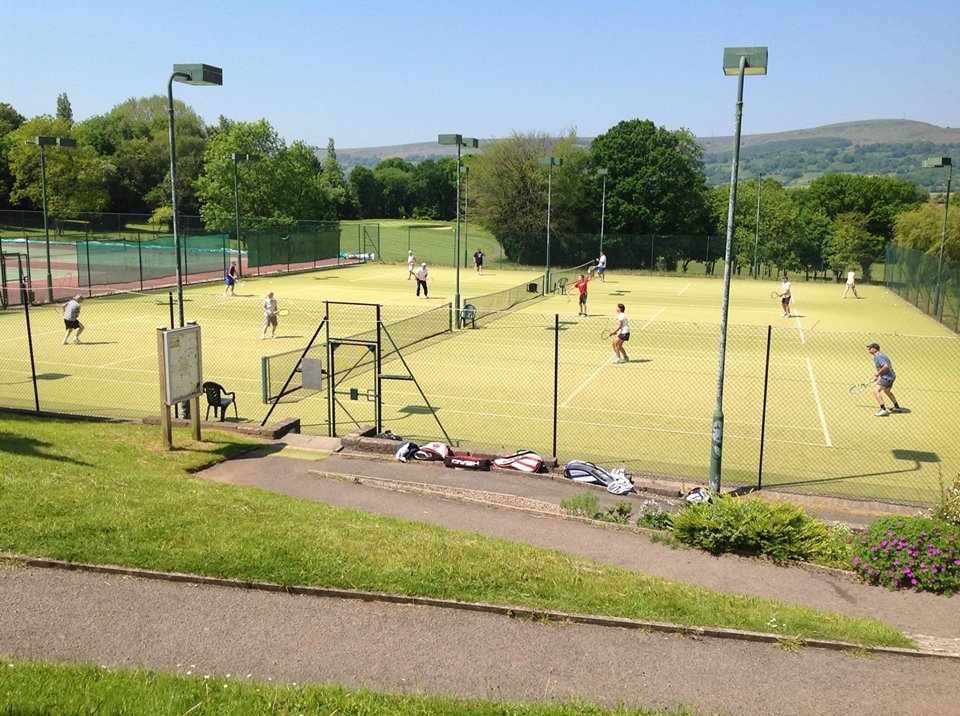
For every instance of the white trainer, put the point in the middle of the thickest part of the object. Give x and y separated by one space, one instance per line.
882 413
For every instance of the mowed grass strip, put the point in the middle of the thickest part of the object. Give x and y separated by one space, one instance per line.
108 493
33 688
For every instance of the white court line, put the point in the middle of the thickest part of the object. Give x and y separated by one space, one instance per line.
800 329
816 397
605 364
680 292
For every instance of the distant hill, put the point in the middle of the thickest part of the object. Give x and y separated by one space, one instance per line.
881 147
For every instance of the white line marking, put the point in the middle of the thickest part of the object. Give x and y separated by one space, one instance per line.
816 397
800 329
653 318
584 384
680 292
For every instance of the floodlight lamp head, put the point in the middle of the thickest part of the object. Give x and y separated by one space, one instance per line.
755 60
198 74
937 162
602 172
449 139
551 161
245 157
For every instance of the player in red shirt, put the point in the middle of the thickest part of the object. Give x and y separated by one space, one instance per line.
581 286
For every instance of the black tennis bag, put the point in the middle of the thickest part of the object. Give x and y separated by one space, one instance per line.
466 462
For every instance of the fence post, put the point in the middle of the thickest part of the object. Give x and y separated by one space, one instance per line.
763 414
140 263
556 375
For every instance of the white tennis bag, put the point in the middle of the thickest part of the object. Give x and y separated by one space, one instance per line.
616 481
522 460
432 451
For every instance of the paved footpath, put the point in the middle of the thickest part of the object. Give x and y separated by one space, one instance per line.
248 634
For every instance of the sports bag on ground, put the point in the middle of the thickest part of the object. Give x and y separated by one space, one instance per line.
522 460
616 481
406 451
467 462
432 451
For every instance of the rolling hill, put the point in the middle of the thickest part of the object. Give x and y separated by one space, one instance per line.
881 147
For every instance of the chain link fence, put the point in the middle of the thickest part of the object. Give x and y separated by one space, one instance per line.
926 282
534 381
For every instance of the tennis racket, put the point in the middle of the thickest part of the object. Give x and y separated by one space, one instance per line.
605 335
861 387
774 294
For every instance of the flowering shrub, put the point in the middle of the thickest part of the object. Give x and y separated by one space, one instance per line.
948 509
910 553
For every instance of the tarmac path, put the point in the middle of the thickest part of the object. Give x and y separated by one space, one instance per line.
127 622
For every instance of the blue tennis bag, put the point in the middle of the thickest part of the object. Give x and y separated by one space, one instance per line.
616 481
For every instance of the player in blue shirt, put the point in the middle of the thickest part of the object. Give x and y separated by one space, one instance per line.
885 376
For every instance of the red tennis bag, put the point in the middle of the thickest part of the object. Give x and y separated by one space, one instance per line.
522 460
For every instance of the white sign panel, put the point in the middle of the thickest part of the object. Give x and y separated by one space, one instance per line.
181 356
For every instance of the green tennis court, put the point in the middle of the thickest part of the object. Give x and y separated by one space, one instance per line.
496 387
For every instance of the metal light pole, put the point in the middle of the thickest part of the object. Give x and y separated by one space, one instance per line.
549 162
239 157
46 142
603 203
460 141
466 206
756 233
938 162
191 75
738 61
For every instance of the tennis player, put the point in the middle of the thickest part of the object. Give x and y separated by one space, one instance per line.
478 260
621 335
411 262
421 276
885 376
269 316
851 284
785 294
581 286
602 267
230 279
71 318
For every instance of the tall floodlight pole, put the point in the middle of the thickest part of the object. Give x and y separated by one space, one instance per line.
603 202
460 141
239 157
938 162
47 142
738 61
756 230
191 75
550 163
466 207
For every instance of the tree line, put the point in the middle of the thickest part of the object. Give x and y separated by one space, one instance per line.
648 183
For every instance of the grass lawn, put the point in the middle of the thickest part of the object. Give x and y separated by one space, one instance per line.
107 493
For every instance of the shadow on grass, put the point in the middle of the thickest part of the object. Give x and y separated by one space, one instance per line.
15 444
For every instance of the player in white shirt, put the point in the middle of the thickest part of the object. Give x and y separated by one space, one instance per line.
620 334
785 295
851 284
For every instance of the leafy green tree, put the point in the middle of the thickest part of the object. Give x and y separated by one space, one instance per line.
922 230
10 119
879 199
851 244
282 187
656 183
435 189
77 178
363 186
64 110
334 183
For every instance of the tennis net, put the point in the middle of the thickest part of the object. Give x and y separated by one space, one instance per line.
492 305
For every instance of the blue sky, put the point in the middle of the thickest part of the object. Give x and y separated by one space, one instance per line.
382 73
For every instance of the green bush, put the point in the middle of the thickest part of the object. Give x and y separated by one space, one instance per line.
654 517
910 553
618 513
751 526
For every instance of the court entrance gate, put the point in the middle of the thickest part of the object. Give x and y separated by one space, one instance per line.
353 374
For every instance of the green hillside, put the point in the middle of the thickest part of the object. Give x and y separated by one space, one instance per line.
882 147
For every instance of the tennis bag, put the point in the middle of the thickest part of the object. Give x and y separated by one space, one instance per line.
522 460
406 451
432 451
697 496
466 462
616 481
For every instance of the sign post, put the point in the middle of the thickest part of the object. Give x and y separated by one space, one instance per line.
181 376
